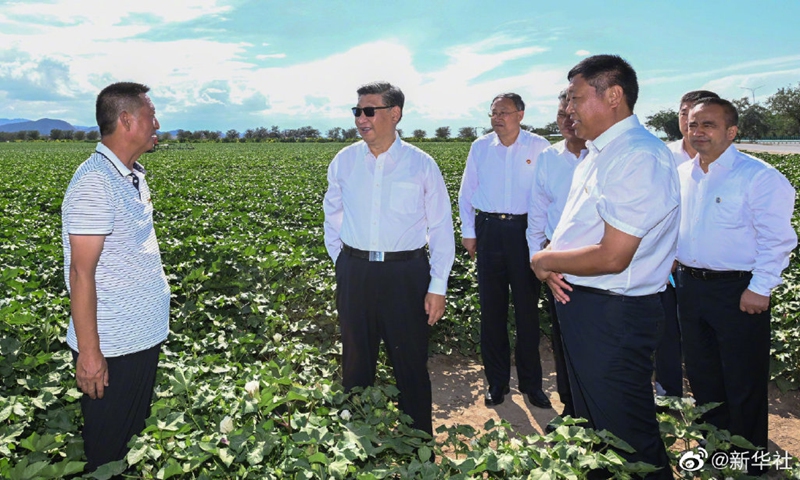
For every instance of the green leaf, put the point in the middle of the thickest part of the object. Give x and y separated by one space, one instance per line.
225 455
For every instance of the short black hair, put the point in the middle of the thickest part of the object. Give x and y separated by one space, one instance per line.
695 95
604 71
518 103
391 95
115 99
731 115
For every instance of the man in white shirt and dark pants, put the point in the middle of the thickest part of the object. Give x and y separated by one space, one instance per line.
735 240
669 360
611 254
551 183
493 202
385 201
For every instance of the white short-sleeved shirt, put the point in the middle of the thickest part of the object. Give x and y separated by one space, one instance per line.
628 180
738 216
132 291
498 178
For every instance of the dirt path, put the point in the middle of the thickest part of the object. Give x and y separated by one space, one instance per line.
459 384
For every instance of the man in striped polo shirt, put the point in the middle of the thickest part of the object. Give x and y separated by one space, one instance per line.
112 266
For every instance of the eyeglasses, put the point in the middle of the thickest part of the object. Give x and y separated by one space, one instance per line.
368 111
501 114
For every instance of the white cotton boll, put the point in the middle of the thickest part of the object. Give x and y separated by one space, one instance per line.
252 387
345 414
226 425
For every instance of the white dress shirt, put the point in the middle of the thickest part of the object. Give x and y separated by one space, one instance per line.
678 152
498 178
552 179
628 180
392 203
737 217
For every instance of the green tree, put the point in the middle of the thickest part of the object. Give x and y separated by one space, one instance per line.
786 103
665 121
443 133
92 135
55 134
420 133
79 135
335 134
33 134
467 133
232 136
350 133
753 120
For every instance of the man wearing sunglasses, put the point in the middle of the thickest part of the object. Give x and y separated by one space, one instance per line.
493 202
385 201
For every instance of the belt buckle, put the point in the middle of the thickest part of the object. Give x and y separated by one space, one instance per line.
375 256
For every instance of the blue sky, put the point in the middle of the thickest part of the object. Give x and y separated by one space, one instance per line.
221 64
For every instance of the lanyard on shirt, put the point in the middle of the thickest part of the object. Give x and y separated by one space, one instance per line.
134 179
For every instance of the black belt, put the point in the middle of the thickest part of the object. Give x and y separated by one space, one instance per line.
506 216
384 256
598 291
705 274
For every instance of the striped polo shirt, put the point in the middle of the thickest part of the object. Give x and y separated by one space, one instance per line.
132 292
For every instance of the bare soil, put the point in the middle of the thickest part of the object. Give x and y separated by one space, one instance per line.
459 386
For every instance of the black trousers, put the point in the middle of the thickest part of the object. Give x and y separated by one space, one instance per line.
609 343
669 361
386 300
562 374
110 422
727 354
502 262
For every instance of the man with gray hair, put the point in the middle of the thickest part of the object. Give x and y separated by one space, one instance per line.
551 183
119 295
493 202
387 200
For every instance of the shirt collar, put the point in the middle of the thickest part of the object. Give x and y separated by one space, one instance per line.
726 159
562 150
496 139
393 151
112 157
613 132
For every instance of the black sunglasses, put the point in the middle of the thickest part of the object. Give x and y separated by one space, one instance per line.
368 111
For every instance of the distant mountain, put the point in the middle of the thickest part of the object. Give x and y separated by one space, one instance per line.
5 121
86 129
43 125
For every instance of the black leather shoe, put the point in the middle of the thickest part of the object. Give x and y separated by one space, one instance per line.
539 399
495 395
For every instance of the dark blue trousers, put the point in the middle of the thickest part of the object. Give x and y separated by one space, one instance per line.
727 354
562 373
386 301
669 361
502 263
609 343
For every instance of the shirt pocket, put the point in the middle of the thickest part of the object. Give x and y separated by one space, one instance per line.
727 210
405 197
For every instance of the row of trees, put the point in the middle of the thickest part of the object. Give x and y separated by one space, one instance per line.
55 134
779 118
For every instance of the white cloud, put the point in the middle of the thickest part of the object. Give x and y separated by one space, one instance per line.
583 53
84 45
